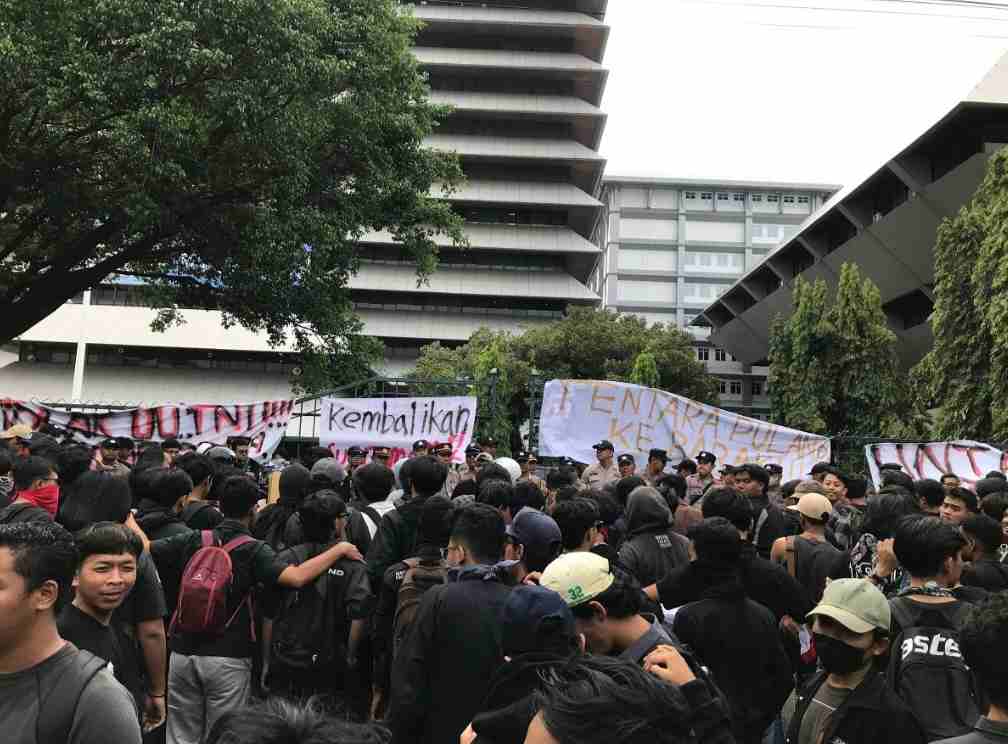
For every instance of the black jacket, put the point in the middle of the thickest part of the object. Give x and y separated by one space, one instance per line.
450 655
985 732
763 581
159 521
357 530
653 549
988 574
395 540
738 640
509 707
870 715
766 529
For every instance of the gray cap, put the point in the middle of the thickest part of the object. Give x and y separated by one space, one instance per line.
220 453
328 468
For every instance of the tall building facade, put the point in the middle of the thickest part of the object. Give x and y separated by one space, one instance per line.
525 80
671 246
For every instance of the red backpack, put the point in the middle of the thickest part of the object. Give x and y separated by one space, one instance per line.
203 593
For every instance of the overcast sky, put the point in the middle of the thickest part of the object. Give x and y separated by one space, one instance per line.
803 90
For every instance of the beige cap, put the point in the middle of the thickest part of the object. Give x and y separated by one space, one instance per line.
857 604
17 431
814 506
578 577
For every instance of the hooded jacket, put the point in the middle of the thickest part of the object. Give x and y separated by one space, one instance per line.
159 521
653 548
395 540
738 640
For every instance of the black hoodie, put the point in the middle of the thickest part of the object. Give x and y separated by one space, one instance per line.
510 707
159 521
653 548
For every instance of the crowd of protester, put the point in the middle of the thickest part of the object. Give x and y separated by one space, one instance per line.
156 594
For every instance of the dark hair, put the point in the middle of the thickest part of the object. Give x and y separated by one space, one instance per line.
403 474
621 600
624 486
688 465
434 527
318 515
985 532
566 493
481 529
374 481
5 461
295 481
557 478
948 475
313 454
528 493
73 460
465 487
716 540
151 457
923 543
994 505
983 640
499 494
931 491
96 497
491 472
30 469
197 467
609 509
600 700
171 443
996 474
673 487
964 495
787 488
280 721
169 485
238 495
575 517
885 511
757 473
43 551
857 487
427 476
897 478
727 503
106 538
142 483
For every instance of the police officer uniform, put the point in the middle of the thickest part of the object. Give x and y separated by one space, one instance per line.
696 486
596 475
529 457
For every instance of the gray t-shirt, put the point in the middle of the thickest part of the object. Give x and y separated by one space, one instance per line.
826 700
105 713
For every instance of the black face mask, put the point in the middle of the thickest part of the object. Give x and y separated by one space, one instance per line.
838 657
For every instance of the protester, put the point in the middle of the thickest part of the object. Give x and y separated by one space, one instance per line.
752 482
211 654
958 504
534 540
849 700
280 721
733 635
949 481
653 548
278 524
673 487
982 550
528 462
808 556
501 496
6 479
605 471
698 483
197 512
372 484
36 492
579 522
453 650
158 511
51 690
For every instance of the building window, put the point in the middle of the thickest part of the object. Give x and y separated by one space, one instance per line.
722 197
789 199
735 387
757 387
738 197
691 195
722 387
706 196
772 198
803 200
719 355
703 353
756 197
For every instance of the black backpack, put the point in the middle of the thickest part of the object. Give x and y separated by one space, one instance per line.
927 669
61 700
306 634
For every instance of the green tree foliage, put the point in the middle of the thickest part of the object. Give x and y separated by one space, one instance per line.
229 153
587 344
967 370
645 370
833 365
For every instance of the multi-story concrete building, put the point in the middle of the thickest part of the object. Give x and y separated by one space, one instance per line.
672 246
525 80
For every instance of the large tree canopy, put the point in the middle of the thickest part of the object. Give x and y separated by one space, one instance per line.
588 343
228 152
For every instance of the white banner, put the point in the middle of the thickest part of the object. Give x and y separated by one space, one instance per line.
397 423
578 413
969 461
264 423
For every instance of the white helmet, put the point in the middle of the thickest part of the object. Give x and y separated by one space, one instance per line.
513 468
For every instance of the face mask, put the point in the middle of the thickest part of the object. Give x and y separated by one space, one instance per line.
838 657
46 497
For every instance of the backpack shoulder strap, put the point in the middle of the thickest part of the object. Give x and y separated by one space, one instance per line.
759 525
791 555
903 616
13 510
61 702
237 542
207 539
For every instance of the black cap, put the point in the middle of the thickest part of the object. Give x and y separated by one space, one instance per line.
488 442
820 467
773 468
604 444
728 470
382 452
625 459
890 466
658 454
239 441
171 444
124 443
522 456
109 443
705 456
440 448
421 444
472 450
356 451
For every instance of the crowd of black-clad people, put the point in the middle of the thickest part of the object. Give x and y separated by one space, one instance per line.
168 592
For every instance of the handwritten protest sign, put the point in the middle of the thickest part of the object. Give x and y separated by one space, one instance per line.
264 423
970 461
578 413
397 423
